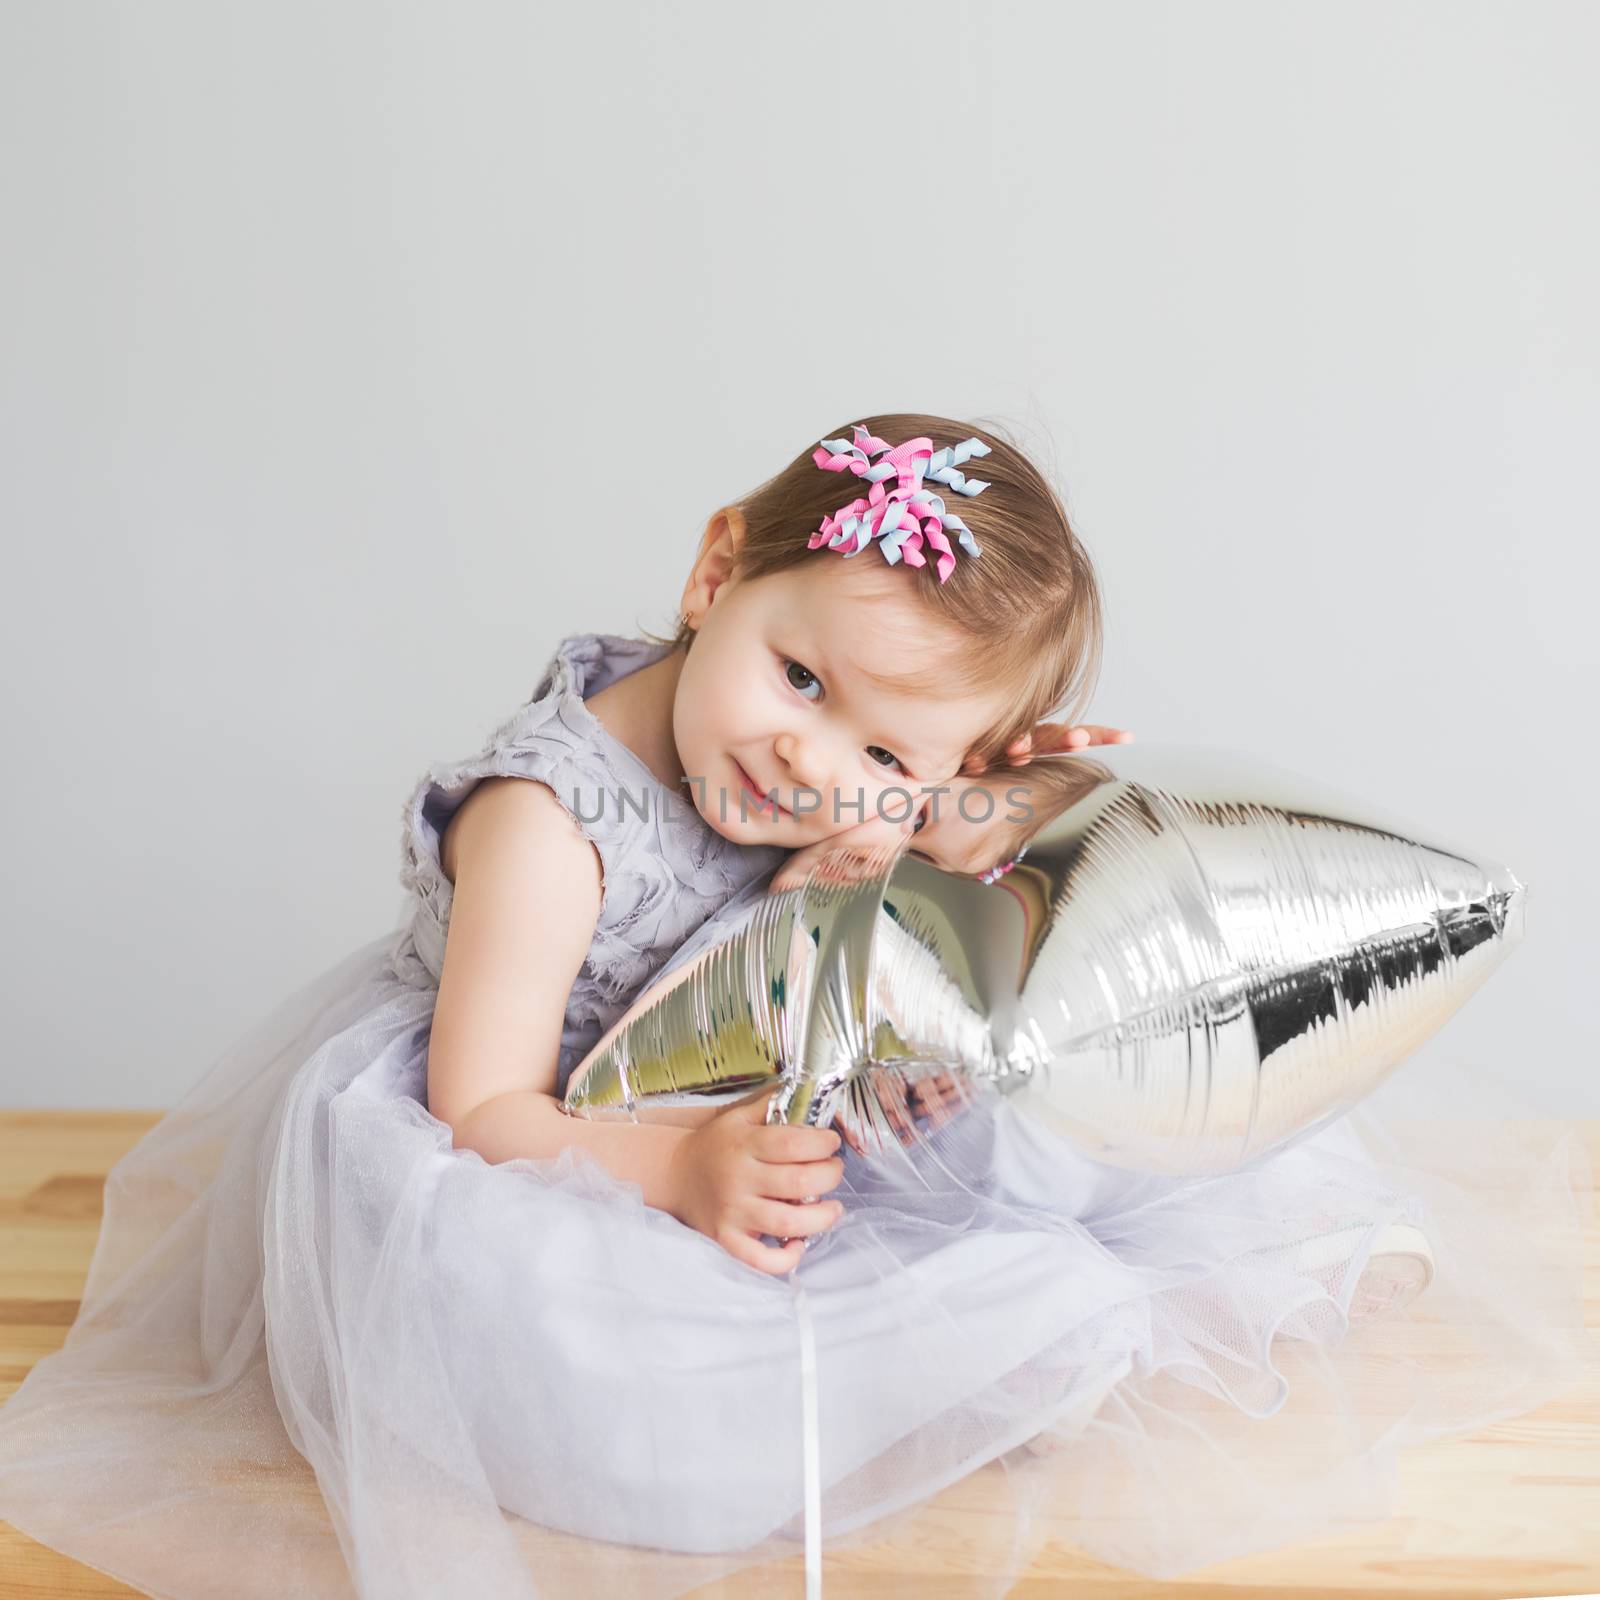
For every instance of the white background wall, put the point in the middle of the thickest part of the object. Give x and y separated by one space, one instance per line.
350 354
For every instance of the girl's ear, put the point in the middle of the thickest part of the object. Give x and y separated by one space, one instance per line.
713 565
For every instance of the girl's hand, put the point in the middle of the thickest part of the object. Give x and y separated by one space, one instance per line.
1051 736
962 831
861 844
738 1176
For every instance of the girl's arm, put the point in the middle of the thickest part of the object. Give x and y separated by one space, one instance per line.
526 902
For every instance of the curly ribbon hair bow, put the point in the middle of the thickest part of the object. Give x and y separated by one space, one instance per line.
907 519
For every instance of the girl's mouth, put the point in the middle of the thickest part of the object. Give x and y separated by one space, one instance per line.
756 795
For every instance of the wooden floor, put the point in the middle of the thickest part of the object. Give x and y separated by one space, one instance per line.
1513 1511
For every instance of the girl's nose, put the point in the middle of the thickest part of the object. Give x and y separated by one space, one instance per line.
803 760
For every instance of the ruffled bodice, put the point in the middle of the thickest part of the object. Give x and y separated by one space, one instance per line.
665 869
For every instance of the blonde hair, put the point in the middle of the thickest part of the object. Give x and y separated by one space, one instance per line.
1029 607
1054 782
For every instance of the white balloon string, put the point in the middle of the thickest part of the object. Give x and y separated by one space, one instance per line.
813 1463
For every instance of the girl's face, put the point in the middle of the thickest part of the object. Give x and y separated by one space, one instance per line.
967 830
774 697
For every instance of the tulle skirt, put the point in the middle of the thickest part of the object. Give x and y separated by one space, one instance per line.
322 1352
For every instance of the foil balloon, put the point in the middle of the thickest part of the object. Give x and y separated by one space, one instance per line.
1196 958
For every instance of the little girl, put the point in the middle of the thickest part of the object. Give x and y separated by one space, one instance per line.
523 1354
803 691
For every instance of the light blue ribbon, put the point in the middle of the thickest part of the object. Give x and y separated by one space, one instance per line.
900 516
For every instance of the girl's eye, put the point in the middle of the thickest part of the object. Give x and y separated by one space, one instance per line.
802 679
795 672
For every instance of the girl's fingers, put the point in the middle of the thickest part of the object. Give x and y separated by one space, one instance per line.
800 1180
1079 736
779 1261
1058 736
792 1219
1101 733
856 851
786 1143
1048 736
1016 754
794 871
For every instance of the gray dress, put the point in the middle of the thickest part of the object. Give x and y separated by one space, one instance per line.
321 1351
665 869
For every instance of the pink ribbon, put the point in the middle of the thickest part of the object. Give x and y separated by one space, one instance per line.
907 520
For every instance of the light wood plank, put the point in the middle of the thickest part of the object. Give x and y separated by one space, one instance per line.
1514 1510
